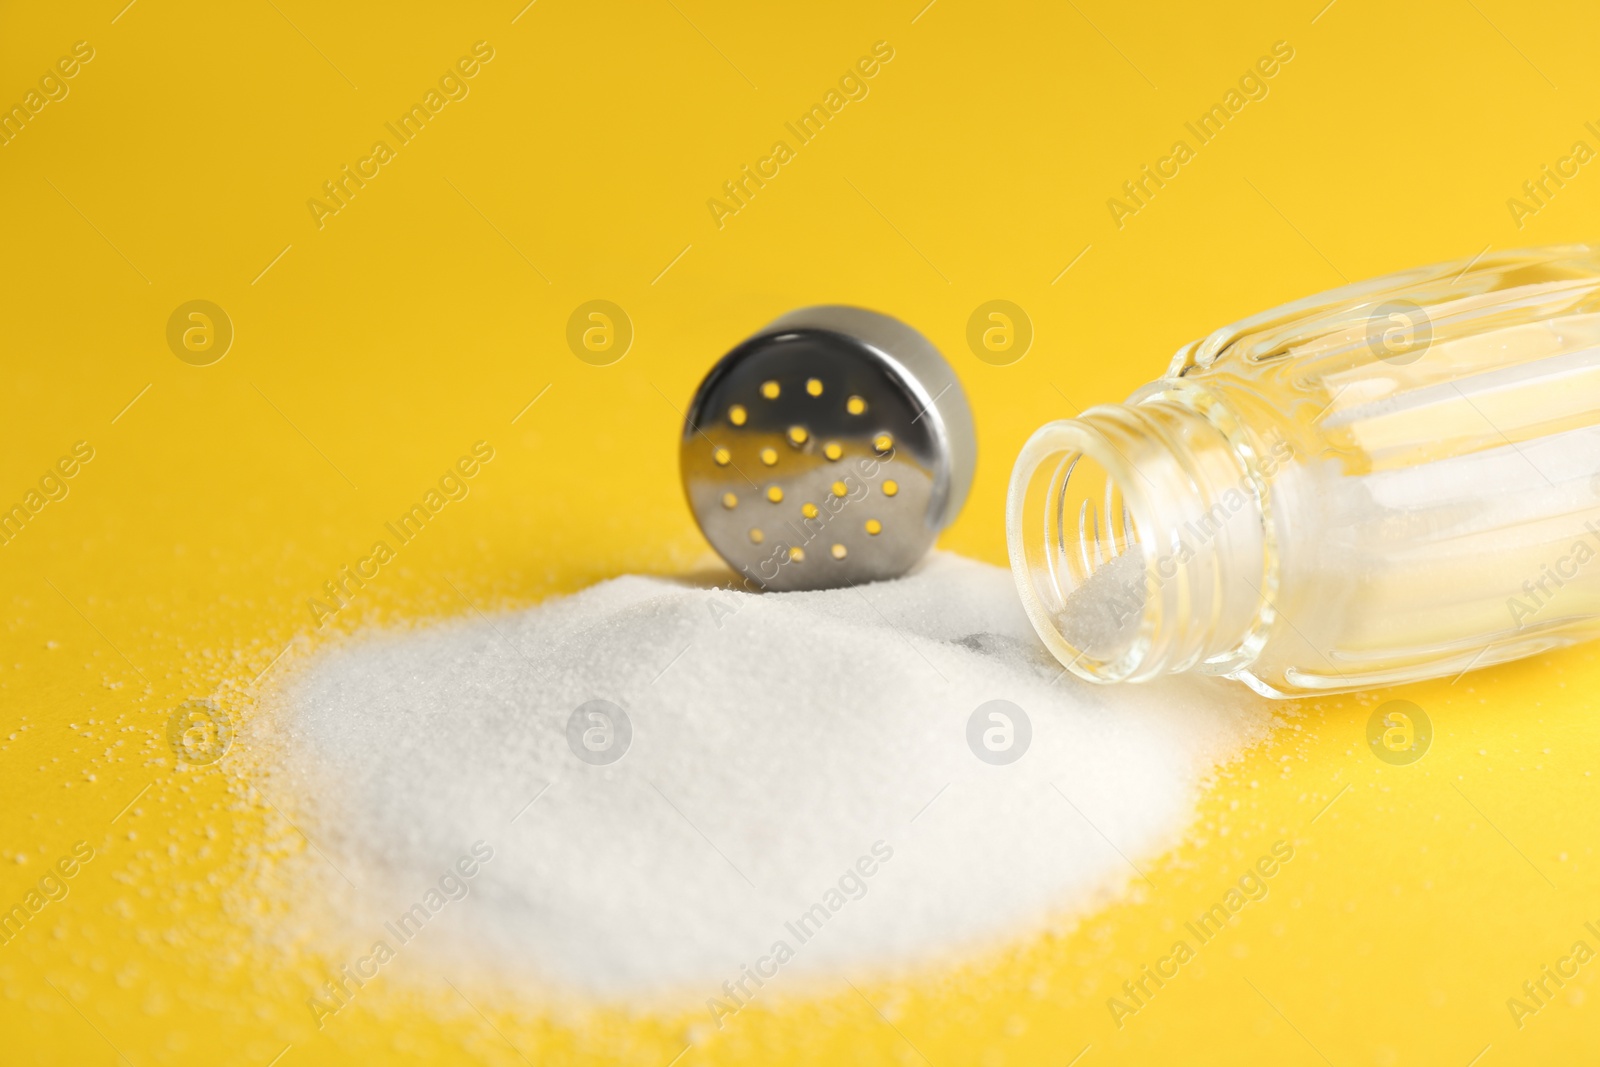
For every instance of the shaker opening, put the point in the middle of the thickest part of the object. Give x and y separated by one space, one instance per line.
1100 562
1137 543
1081 564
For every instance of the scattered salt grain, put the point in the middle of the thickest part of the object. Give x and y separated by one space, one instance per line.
776 741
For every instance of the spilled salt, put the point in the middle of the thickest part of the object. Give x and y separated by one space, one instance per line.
791 755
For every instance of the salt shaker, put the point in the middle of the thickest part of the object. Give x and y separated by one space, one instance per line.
1394 480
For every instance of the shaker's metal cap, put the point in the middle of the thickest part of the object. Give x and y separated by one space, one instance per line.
828 449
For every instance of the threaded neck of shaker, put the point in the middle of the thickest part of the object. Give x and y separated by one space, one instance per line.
1138 539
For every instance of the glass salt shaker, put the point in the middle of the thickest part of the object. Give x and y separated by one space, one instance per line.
1394 480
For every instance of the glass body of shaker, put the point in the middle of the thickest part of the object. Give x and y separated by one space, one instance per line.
1394 480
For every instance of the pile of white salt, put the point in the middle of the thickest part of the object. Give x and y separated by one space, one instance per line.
799 773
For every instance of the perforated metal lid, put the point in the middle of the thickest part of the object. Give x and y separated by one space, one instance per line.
828 449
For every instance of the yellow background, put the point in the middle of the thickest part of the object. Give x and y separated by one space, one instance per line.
432 309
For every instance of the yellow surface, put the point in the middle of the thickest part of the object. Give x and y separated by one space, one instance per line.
429 311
